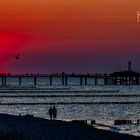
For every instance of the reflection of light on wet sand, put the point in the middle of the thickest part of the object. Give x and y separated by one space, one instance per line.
105 127
124 129
102 127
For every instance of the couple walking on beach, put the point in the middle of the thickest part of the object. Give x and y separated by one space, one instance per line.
52 112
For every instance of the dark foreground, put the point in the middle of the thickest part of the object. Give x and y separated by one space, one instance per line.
31 128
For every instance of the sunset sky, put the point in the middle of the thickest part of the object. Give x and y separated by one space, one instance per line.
69 35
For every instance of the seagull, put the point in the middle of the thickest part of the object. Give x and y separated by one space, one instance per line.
17 57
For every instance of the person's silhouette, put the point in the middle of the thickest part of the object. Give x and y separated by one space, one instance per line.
50 112
54 110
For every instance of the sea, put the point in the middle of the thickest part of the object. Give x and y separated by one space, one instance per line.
73 102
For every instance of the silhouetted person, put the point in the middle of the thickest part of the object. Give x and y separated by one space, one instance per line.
54 110
50 112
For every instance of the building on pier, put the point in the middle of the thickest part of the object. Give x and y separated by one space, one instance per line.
126 77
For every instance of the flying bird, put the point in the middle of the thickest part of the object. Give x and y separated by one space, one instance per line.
17 57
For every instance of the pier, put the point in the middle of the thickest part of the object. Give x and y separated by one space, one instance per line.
126 77
64 78
84 80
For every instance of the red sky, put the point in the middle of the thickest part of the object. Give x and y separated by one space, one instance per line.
70 36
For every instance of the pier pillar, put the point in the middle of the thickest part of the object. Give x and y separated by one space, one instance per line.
96 80
105 80
112 81
81 80
137 80
126 79
129 80
50 80
20 81
132 80
122 80
66 80
109 81
4 81
63 80
35 81
116 81
85 81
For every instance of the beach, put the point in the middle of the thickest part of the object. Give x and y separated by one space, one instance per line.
32 128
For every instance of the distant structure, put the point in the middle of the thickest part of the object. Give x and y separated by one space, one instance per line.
126 77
